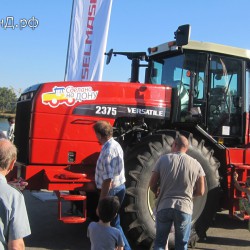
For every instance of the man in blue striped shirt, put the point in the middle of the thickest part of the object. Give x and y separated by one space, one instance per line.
109 173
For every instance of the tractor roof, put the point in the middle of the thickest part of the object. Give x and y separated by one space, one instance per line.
203 46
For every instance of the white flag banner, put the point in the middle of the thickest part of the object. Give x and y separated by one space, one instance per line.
88 40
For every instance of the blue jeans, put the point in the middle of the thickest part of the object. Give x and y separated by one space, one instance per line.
182 225
120 193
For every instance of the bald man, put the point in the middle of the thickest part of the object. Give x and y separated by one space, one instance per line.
14 224
179 178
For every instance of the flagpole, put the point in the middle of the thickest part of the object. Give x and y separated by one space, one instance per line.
66 66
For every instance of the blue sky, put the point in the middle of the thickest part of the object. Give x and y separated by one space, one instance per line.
33 56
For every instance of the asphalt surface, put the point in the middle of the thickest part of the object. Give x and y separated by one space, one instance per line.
49 233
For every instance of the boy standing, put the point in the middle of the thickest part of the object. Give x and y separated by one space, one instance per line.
102 235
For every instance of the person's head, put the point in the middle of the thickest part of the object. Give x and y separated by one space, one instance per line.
108 208
180 144
11 120
103 131
8 155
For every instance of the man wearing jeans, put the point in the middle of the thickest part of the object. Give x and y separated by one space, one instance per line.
176 179
109 172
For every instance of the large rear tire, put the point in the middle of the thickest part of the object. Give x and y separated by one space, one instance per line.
137 215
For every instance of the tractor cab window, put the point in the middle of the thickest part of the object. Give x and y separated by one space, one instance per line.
170 71
247 92
186 72
224 101
167 71
247 100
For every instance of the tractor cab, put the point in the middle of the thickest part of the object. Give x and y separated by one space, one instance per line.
212 82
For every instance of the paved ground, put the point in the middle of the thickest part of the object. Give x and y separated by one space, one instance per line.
49 233
226 234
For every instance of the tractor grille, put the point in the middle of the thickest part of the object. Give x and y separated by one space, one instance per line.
22 128
22 124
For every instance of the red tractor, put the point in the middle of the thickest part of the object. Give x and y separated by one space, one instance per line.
198 89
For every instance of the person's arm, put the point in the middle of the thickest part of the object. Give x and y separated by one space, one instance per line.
104 191
105 188
154 182
18 183
199 188
16 244
238 186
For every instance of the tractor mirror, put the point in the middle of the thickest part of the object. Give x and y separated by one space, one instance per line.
109 56
182 35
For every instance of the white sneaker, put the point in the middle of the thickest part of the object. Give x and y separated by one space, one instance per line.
239 216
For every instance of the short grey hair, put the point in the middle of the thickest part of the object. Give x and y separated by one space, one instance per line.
181 142
8 153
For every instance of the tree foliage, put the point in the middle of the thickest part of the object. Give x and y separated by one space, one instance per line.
8 100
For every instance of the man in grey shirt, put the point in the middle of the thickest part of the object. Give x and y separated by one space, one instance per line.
14 223
176 179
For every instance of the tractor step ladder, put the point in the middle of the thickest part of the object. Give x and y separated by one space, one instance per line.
71 197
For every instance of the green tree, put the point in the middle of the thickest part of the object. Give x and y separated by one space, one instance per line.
8 100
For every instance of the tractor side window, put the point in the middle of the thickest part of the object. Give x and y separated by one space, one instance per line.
247 90
156 73
224 96
183 71
167 71
247 102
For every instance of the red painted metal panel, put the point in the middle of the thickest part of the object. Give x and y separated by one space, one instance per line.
46 177
247 156
99 92
63 127
235 156
238 156
46 151
64 186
